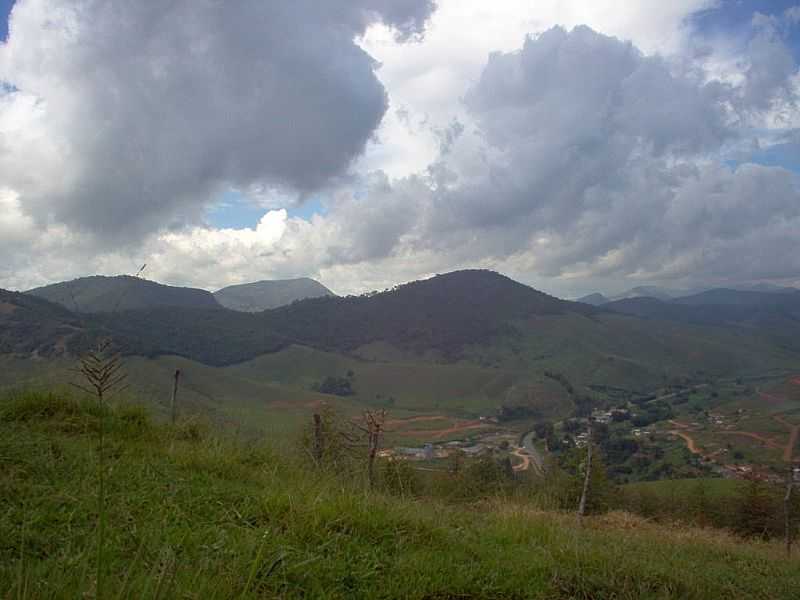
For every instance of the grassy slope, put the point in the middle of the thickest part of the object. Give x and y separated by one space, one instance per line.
461 389
205 519
630 352
672 488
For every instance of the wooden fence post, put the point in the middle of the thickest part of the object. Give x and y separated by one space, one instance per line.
318 446
174 402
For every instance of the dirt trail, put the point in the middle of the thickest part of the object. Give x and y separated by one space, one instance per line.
526 460
391 422
794 434
690 443
788 452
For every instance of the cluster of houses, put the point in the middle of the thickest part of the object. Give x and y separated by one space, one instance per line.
435 451
606 416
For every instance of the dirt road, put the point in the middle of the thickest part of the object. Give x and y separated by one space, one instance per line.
794 434
690 443
526 460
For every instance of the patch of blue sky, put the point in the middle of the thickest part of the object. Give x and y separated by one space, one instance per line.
234 210
734 18
780 155
5 11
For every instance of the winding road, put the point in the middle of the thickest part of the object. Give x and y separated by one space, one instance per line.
536 459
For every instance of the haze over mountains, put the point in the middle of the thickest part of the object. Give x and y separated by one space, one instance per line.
263 295
666 294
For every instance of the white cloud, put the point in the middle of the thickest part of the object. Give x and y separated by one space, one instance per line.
564 160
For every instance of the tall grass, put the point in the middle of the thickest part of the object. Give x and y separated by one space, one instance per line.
192 515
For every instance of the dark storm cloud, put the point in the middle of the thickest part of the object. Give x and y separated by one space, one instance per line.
144 110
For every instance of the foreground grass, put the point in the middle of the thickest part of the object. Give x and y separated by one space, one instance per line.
192 516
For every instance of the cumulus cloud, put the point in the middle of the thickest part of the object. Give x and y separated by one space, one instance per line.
565 158
127 117
590 159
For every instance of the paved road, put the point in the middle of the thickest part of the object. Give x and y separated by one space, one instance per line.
537 461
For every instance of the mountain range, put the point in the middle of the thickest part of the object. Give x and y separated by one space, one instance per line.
480 317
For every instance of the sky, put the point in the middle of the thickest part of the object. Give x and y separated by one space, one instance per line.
575 145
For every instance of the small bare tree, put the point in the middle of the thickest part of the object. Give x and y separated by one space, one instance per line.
340 442
101 369
373 427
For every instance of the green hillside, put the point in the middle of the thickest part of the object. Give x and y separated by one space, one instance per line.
191 516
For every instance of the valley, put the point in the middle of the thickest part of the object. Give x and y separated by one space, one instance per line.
458 359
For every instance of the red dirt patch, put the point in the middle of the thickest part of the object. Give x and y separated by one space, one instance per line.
771 398
690 443
440 433
795 380
392 422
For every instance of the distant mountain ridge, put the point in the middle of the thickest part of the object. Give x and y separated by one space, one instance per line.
666 294
766 312
100 294
595 299
265 295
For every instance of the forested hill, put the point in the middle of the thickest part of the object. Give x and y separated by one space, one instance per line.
264 295
98 294
444 313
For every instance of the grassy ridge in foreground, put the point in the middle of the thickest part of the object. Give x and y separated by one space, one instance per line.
192 516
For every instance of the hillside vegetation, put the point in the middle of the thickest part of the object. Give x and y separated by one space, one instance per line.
31 326
193 516
264 295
